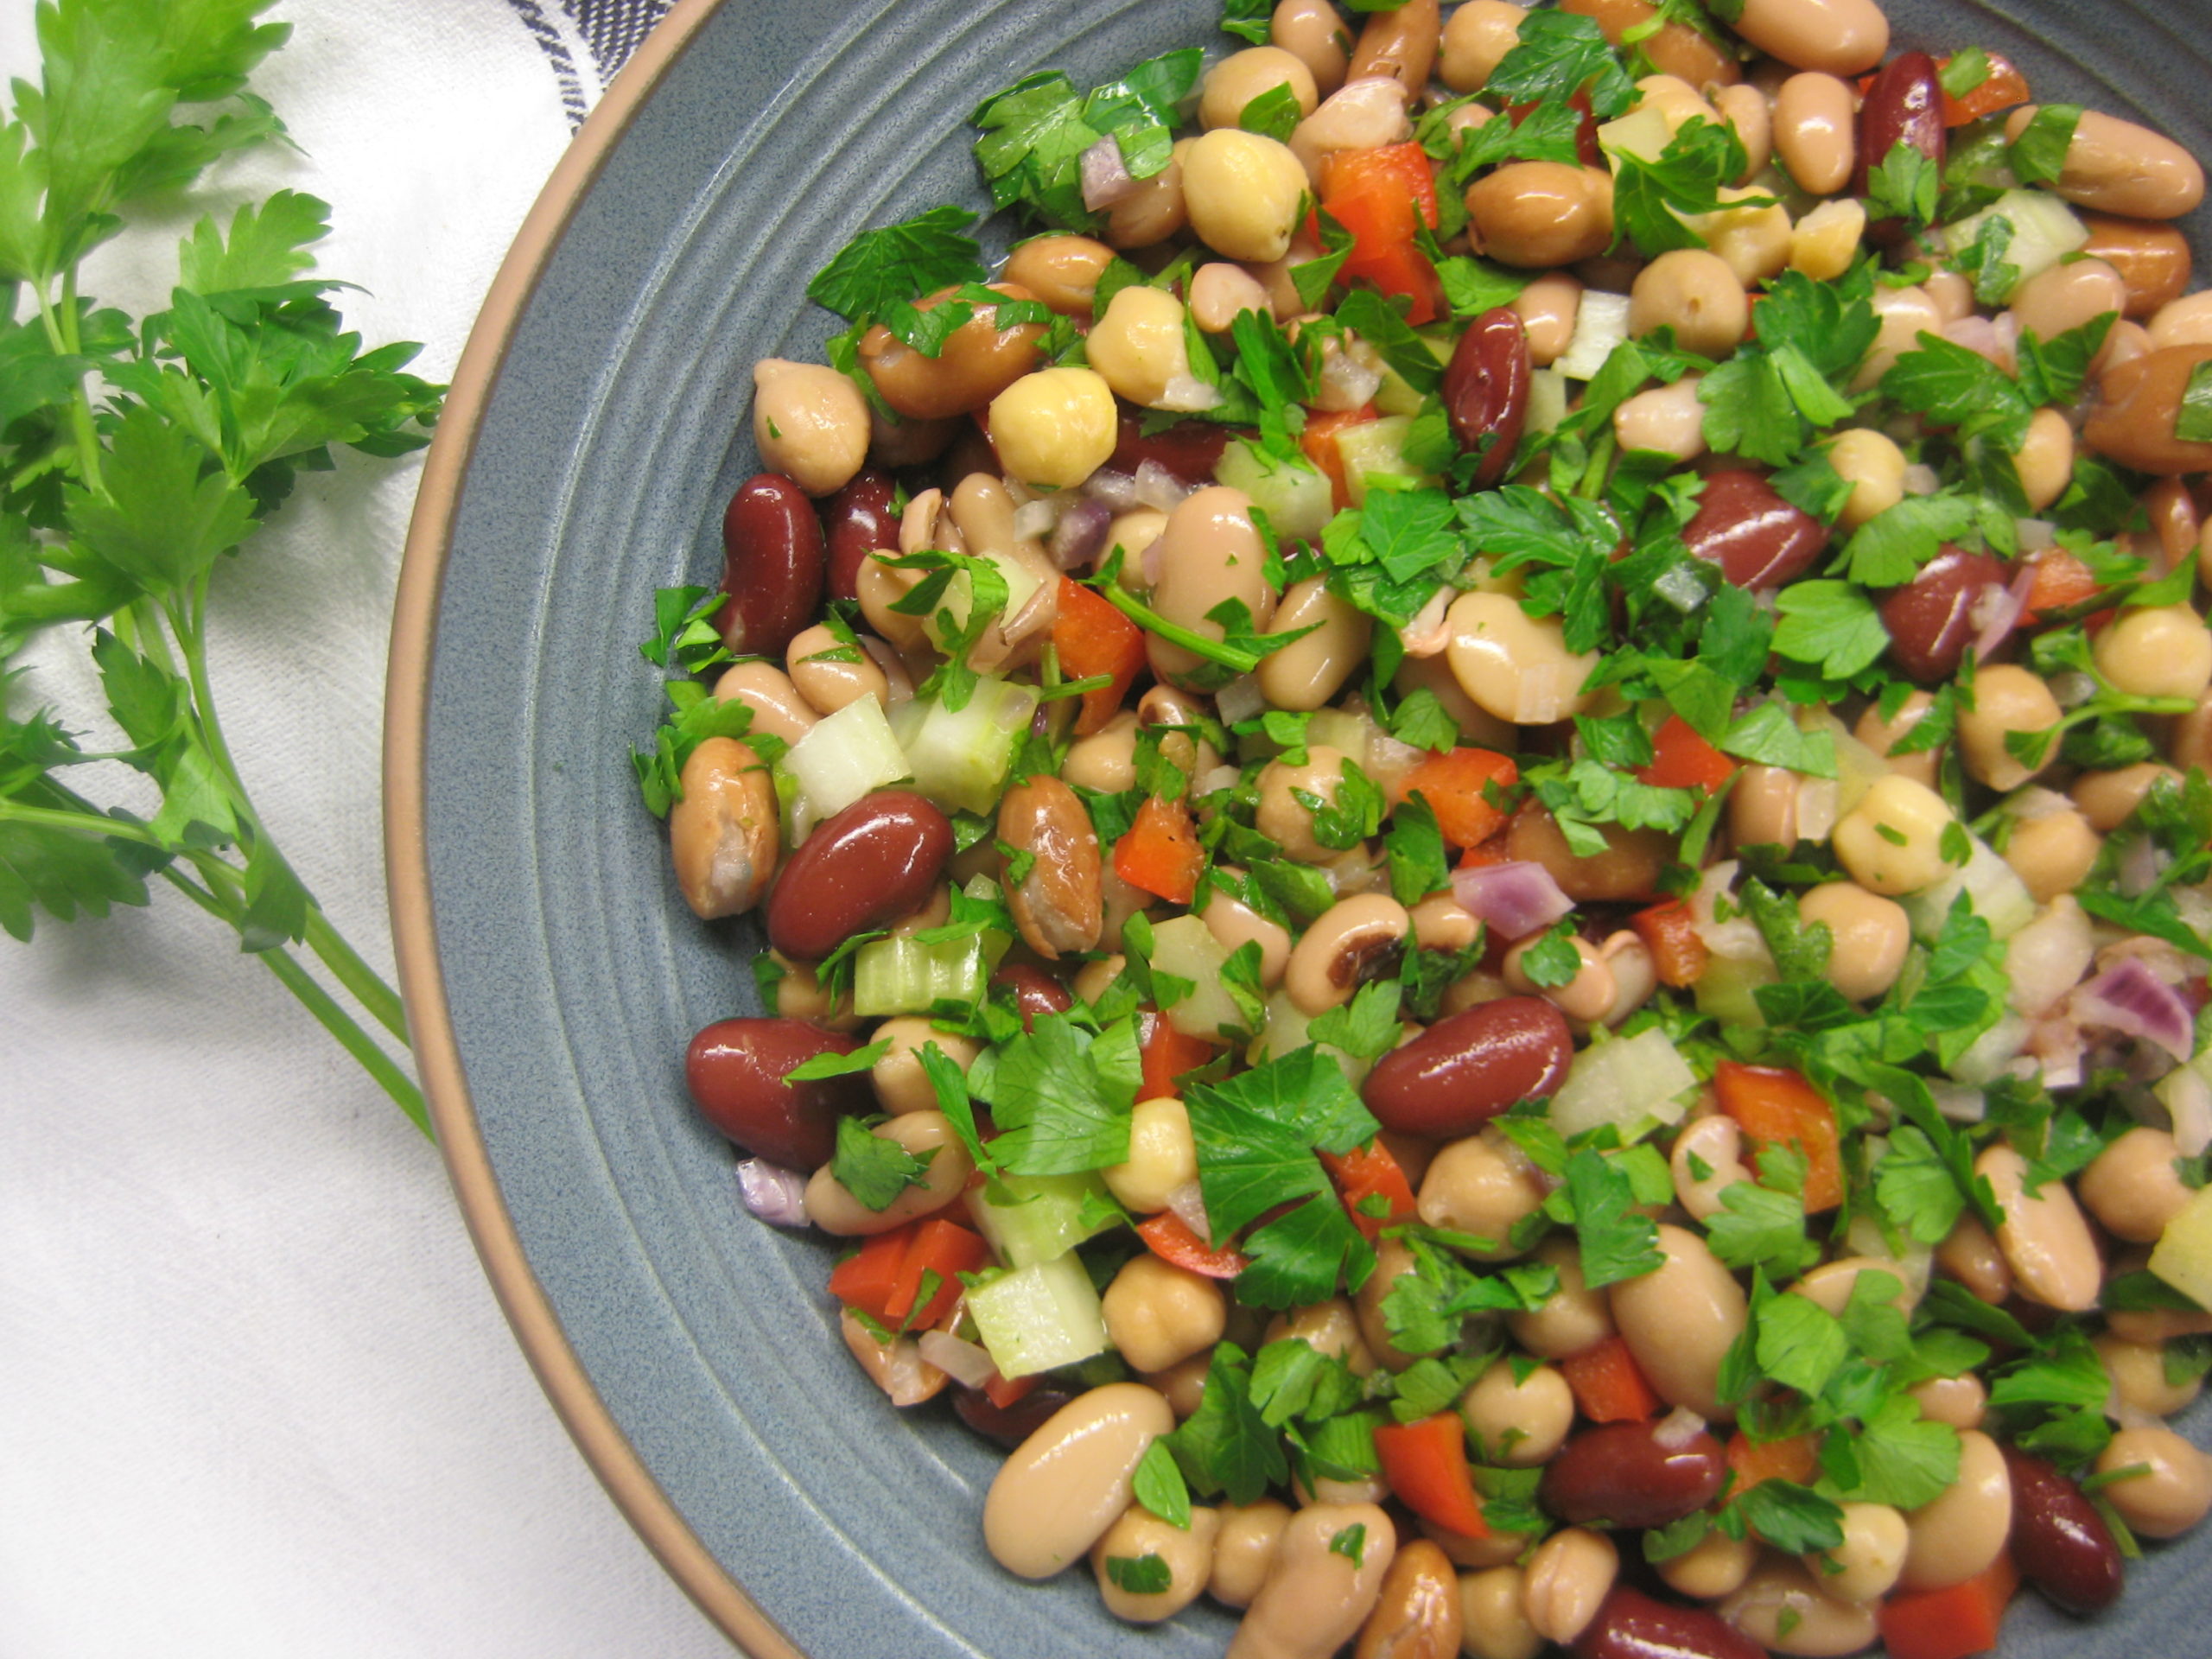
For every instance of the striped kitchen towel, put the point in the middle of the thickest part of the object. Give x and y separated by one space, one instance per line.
585 42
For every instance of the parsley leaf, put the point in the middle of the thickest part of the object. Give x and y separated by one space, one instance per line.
2039 154
898 263
1061 1095
1558 54
1649 197
1830 626
1616 1241
1225 1445
875 1168
1158 1485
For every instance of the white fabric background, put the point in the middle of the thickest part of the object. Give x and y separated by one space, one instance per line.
255 1399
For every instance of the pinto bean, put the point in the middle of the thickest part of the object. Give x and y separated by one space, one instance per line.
2151 257
1620 1474
1467 1069
1486 390
1417 1615
772 565
1743 524
2134 420
1059 904
1675 49
1628 868
1401 44
736 1069
979 360
2062 1544
2117 167
1679 1320
1632 1625
874 861
723 836
1930 619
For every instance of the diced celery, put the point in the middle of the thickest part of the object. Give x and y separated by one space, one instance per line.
1725 989
845 756
1998 896
1350 734
1032 1218
1546 400
959 756
1285 1030
1021 584
1989 1054
1040 1317
1374 446
1295 494
1625 1083
1186 948
906 976
1600 324
2044 230
2183 1255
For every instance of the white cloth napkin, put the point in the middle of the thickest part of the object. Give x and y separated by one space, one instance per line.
255 1399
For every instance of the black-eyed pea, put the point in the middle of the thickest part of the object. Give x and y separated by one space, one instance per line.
1209 552
1476 37
1663 420
1952 293
1567 1577
1547 308
900 1083
1355 940
2160 651
1960 1534
1865 1565
1243 191
1393 1262
1782 1609
2133 1188
2068 295
2047 1244
2108 799
2185 321
1062 270
1823 244
1573 1318
2174 1489
1588 996
1163 1157
1816 131
2051 853
1244 1549
1320 1589
831 674
1840 37
1053 428
1871 936
1480 1185
1891 842
2045 459
1753 240
1220 292
1139 346
1514 666
1540 215
1183 1384
1333 1329
1714 1567
1520 1423
1308 672
1417 1614
724 837
2007 698
1286 819
1969 1253
778 708
1745 107
1706 1161
1494 1614
1442 923
1105 760
1242 76
809 423
928 1135
1962 1401
2117 167
1071 1479
1636 975
1902 315
896 1366
1157 1314
2139 1379
1185 1552
1152 212
1694 293
1679 1320
1883 736
1762 807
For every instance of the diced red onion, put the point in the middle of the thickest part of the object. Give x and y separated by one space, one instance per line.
1425 635
1105 179
2189 1100
775 1194
2037 535
1346 381
1515 899
1960 1102
1189 1206
1080 536
1118 490
1033 520
1185 394
964 1361
2141 863
1677 1429
2129 997
1997 611
1240 699
1158 488
1922 480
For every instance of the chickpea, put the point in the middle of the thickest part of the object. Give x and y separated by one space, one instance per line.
2006 699
2133 1187
1155 210
1890 843
2162 651
1537 215
1519 1424
1548 306
809 423
1159 1314
2173 1492
1221 292
2108 799
1244 1549
899 1083
2138 1370
2051 854
1480 1186
1573 1318
1874 467
1753 241
1313 33
1493 1613
1139 346
1242 76
1714 1567
1664 420
1476 40
1243 191
1162 1158
1871 934
1188 1552
1053 428
2045 459
1884 736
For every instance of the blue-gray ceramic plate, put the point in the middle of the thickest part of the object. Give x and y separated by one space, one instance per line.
554 974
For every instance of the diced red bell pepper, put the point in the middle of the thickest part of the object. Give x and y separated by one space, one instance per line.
1166 1054
1793 1458
1609 1386
1426 1465
2004 86
1454 783
1167 1237
1950 1623
1319 441
1380 195
1681 758
1777 1107
1089 637
2061 581
1161 853
1668 931
1370 1172
885 1277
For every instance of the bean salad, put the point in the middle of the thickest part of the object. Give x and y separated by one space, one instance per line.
1481 810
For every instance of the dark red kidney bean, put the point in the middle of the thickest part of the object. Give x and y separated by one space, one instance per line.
1618 1472
1008 1425
970 451
1931 618
1903 105
1632 1625
858 520
1189 449
875 861
1744 525
2061 1543
1486 390
772 565
1035 992
734 1069
1467 1069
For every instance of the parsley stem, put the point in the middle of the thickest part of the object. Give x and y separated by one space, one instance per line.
1600 466
89 824
63 332
1242 662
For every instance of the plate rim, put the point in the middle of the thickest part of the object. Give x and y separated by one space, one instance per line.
459 1137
